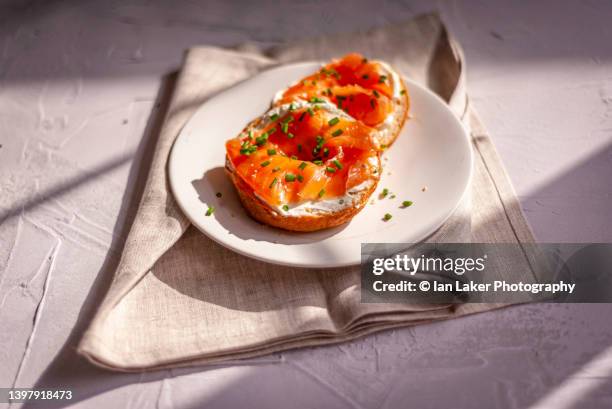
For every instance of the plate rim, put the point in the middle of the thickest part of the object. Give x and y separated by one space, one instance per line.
171 168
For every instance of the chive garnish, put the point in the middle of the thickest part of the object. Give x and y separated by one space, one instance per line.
274 117
302 116
293 157
271 131
373 103
317 162
384 192
260 140
276 169
285 207
330 169
310 111
290 135
325 152
382 79
273 183
289 177
271 152
387 217
302 166
376 94
337 163
291 107
321 192
315 100
299 147
333 121
265 163
337 132
407 203
300 178
211 210
285 127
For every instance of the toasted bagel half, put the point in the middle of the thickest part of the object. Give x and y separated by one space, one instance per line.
370 91
304 166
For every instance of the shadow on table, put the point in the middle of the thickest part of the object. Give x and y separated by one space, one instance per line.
67 368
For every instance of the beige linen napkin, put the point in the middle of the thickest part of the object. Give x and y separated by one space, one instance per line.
179 298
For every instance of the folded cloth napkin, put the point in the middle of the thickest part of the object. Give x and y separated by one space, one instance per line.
178 298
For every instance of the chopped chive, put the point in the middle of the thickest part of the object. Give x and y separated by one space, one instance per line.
317 162
338 164
250 134
265 163
291 107
271 152
293 157
248 150
384 192
285 127
290 135
260 140
365 76
325 151
402 92
333 121
274 117
407 203
337 132
302 116
211 210
383 146
286 208
376 94
382 79
302 165
339 103
299 147
310 111
218 194
276 169
373 103
387 217
330 169
315 100
289 177
288 119
300 178
321 192
392 197
273 183
271 131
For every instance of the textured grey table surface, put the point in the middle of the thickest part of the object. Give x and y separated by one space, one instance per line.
79 85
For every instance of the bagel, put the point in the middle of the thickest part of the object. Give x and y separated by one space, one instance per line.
304 166
368 90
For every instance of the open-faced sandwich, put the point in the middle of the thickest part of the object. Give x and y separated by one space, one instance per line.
368 90
313 160
304 166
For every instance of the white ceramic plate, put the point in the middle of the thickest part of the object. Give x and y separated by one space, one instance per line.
433 151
